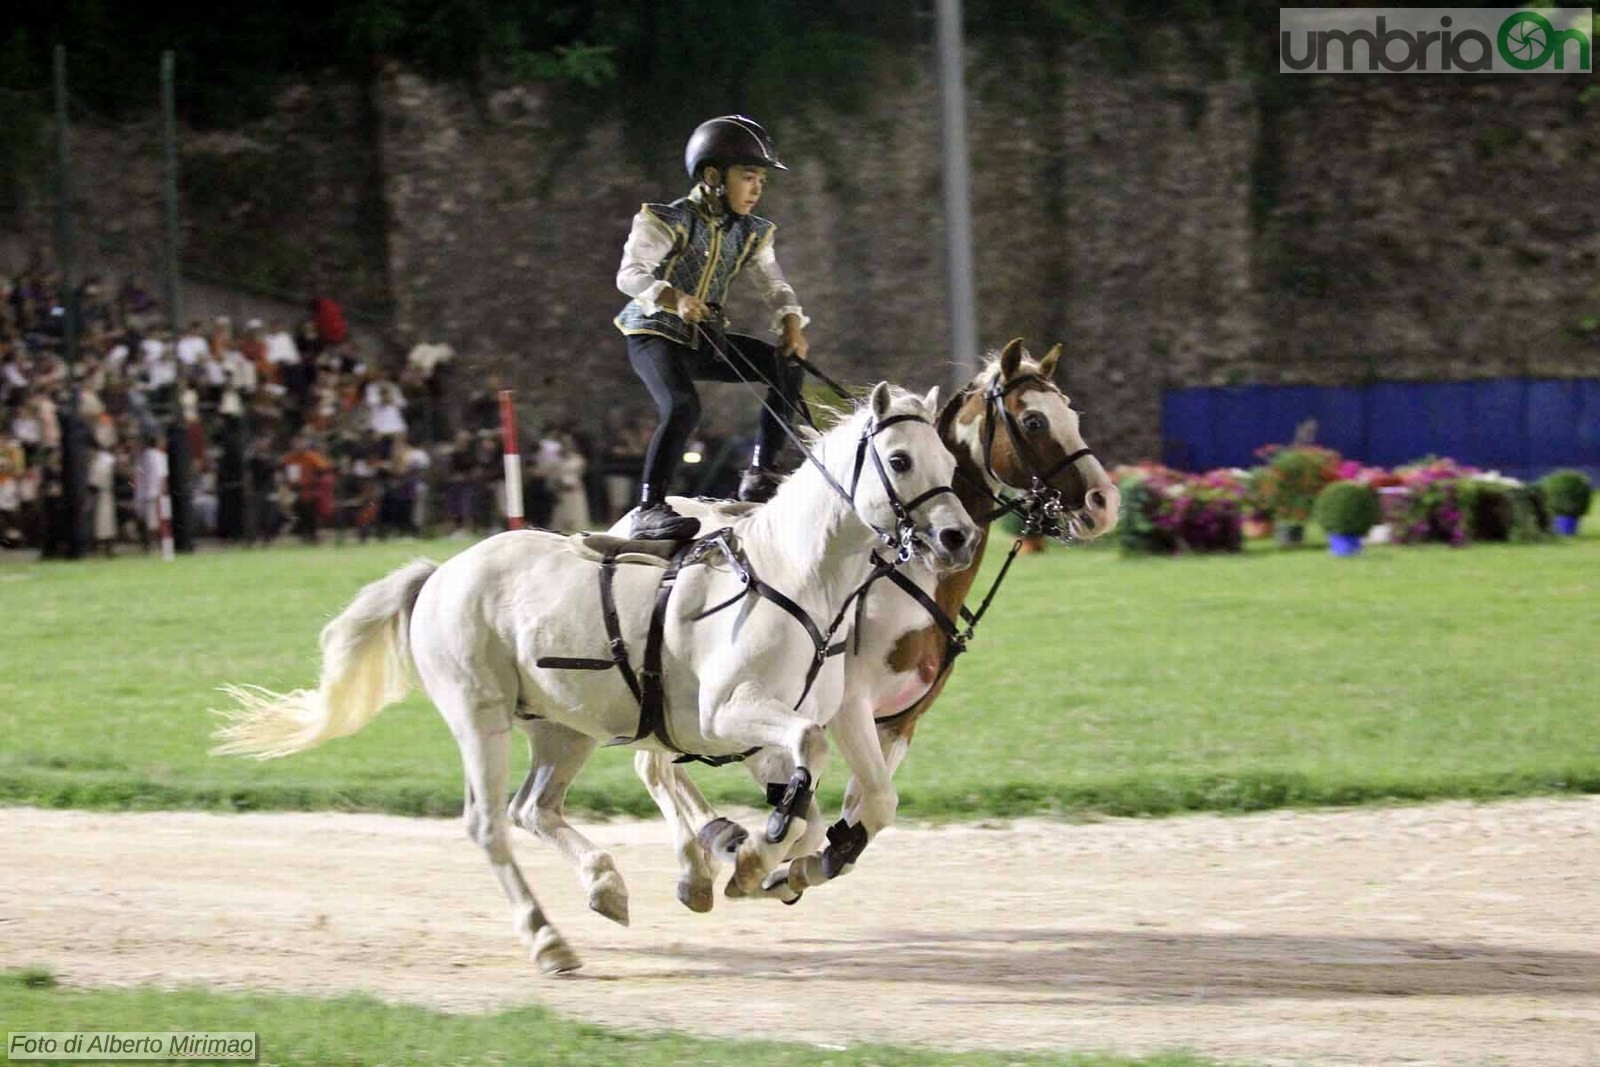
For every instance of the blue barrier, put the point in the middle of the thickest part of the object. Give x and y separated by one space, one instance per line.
1519 426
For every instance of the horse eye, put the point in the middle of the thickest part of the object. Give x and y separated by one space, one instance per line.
1035 423
899 462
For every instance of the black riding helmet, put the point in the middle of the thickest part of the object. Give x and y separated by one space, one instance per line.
727 142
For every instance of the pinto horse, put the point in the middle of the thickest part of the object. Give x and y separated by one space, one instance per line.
1011 429
738 649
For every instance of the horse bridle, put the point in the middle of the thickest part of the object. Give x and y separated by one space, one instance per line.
905 531
1040 505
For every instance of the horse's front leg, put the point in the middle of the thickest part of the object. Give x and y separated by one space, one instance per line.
557 753
876 803
893 742
772 771
749 716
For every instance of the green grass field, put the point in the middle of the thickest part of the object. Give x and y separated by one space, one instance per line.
357 1031
1097 683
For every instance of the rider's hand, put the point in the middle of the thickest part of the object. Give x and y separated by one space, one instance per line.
691 308
793 342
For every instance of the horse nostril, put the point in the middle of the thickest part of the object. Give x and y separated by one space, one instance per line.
1097 499
952 539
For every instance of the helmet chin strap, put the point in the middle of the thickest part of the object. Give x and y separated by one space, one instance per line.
719 190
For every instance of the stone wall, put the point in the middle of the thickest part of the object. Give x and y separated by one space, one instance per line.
1434 228
277 209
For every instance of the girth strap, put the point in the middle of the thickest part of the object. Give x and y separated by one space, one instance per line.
653 698
619 647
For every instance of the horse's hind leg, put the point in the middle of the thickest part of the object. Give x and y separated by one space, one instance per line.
483 734
687 811
558 754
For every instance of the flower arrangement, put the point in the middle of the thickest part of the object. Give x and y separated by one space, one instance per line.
1150 511
1293 476
1213 520
1166 511
1497 508
1431 500
1350 470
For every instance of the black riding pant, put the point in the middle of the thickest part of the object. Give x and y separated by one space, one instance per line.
670 370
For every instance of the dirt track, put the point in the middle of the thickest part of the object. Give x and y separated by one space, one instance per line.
1450 934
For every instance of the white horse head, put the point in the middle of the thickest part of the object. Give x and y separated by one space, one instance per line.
887 456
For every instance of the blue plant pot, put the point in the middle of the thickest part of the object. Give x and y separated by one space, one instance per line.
1566 525
1344 545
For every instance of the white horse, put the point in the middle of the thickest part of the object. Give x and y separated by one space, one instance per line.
482 628
1011 430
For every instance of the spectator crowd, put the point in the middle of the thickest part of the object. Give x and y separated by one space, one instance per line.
291 428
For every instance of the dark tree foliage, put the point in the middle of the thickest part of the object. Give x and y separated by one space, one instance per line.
701 55
631 53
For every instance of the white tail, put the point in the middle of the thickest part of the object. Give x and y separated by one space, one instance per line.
366 666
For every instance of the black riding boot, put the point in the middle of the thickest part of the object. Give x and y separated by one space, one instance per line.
656 521
756 485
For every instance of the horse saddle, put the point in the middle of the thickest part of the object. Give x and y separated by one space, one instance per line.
597 546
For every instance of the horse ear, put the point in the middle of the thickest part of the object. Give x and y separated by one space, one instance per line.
881 400
1047 365
1010 358
931 401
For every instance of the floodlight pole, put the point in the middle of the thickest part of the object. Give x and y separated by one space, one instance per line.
957 195
170 191
74 458
179 460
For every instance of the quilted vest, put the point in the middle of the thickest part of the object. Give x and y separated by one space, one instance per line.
706 256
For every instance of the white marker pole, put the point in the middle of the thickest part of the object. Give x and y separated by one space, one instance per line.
164 517
513 460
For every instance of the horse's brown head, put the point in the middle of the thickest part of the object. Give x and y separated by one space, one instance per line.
1013 429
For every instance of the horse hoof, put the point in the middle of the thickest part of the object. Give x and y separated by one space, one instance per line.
609 897
750 867
697 896
733 890
777 885
722 837
552 954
